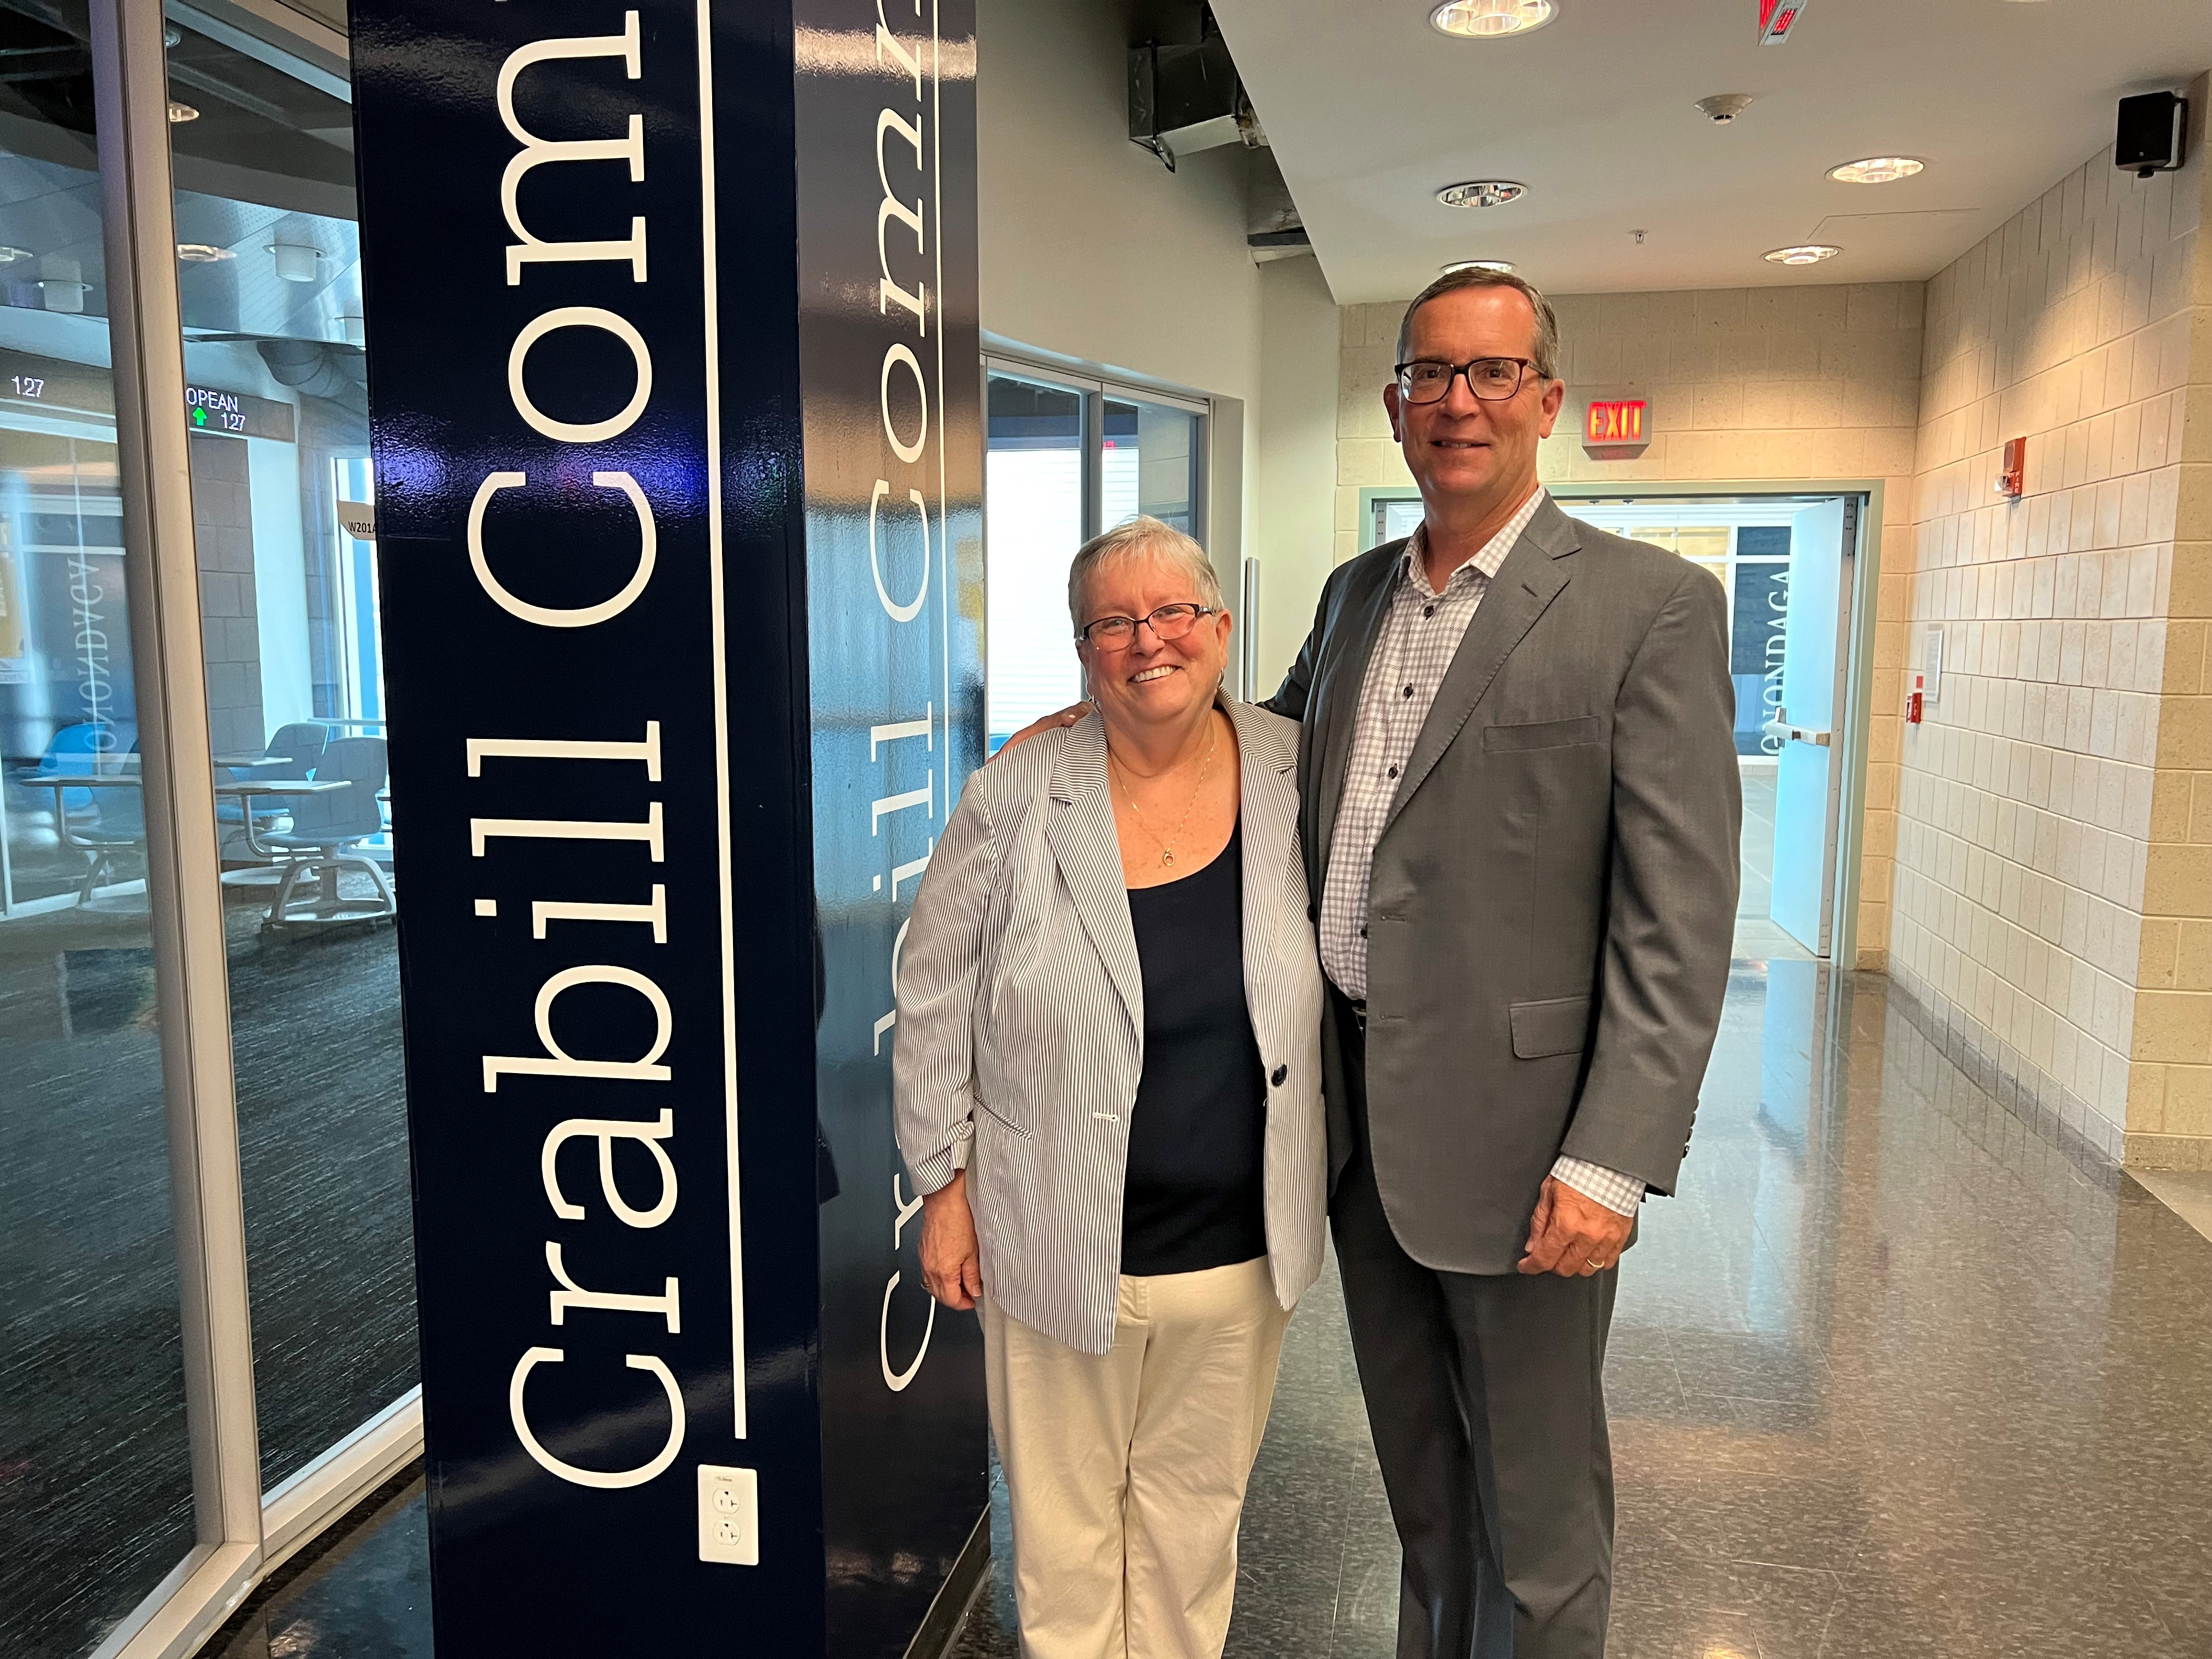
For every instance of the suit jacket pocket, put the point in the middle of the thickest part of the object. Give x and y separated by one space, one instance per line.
1002 1121
1544 734
1559 1026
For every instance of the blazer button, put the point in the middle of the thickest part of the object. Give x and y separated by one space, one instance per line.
1280 1076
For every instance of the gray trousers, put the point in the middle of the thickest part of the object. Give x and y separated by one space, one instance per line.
1485 1395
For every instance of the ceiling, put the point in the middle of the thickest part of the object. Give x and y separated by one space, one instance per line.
1370 112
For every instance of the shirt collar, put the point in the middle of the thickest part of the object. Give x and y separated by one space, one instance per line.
1486 560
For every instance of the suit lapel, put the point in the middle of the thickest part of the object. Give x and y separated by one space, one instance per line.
1087 848
1526 583
1338 701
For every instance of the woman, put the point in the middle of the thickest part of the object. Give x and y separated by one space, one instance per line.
1108 1082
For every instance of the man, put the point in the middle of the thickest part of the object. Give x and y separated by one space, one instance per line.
1521 807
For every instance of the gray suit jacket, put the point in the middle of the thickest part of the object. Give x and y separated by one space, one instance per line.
1552 900
1021 1021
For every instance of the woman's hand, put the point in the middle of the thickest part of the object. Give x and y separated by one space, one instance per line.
1037 728
951 1267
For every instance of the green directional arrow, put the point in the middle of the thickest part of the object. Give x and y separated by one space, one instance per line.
199 417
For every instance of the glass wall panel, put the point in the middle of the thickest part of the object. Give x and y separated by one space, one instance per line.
1033 522
95 1469
289 618
1151 464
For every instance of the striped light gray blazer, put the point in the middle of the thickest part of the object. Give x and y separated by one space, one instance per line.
1021 1022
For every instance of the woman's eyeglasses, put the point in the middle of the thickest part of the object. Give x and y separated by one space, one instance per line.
1170 621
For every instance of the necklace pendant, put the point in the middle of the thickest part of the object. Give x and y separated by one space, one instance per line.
1167 858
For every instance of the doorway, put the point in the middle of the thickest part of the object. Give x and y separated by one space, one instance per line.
1800 586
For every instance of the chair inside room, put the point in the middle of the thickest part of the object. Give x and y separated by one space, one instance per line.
99 823
301 745
240 823
328 828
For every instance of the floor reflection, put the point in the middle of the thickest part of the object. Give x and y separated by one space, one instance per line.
1893 1376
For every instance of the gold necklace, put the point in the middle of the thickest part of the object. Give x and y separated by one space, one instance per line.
1204 771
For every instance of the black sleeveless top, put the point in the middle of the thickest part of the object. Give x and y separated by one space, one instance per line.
1195 1196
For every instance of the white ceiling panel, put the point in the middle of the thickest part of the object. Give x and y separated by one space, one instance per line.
1370 112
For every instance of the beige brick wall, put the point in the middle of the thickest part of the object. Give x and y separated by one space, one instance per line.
2054 848
1778 384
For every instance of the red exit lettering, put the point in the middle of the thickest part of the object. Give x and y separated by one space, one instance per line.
1616 423
1776 18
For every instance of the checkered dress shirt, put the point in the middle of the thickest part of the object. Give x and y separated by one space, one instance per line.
1421 635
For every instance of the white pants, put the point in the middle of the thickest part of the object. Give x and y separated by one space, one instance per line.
1126 1469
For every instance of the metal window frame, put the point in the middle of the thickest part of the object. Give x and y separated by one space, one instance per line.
183 869
1241 575
1096 390
242 1533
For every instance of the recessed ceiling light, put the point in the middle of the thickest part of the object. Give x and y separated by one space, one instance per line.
1876 170
201 254
1505 265
1481 193
180 113
1489 20
1810 253
296 262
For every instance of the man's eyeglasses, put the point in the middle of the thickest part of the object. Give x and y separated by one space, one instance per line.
1493 379
1170 621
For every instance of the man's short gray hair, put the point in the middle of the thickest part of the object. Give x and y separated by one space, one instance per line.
1126 540
1547 321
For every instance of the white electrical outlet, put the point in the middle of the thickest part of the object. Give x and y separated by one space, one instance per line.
729 1515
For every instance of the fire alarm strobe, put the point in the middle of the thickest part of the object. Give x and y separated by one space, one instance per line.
2149 139
1777 18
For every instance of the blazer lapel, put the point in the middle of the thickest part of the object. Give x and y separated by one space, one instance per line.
1267 769
1087 848
1527 582
1338 702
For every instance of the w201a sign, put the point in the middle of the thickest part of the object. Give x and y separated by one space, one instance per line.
677 459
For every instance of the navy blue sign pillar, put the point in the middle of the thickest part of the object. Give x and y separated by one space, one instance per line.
674 389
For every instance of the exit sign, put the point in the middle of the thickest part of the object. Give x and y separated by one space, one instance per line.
1616 423
1777 18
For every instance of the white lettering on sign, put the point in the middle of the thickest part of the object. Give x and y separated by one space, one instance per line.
580 432
582 616
552 776
557 1061
606 1481
910 203
652 914
606 1131
537 152
481 830
903 1211
573 1295
646 749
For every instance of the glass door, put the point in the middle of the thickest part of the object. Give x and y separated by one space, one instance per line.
96 1492
277 404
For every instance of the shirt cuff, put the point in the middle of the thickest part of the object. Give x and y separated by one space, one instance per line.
1618 1192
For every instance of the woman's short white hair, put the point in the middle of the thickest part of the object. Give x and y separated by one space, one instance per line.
1140 536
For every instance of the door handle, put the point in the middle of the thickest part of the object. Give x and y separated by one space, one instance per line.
1800 734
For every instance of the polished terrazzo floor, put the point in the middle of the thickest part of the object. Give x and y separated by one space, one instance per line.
1892 1376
